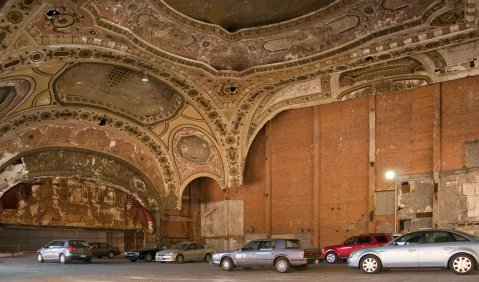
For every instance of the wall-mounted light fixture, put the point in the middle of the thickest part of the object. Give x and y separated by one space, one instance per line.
145 77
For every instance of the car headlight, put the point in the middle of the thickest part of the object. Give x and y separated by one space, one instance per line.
353 254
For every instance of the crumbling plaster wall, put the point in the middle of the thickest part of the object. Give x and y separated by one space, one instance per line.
75 203
459 200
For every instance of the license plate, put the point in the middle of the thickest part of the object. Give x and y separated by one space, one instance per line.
83 256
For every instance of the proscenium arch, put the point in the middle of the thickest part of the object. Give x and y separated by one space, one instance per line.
75 127
69 162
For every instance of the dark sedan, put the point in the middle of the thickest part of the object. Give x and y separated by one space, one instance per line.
147 253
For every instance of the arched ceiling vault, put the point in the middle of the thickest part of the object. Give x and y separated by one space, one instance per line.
216 71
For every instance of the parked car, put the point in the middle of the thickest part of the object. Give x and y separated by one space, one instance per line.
437 248
187 251
334 254
100 249
279 253
65 251
147 253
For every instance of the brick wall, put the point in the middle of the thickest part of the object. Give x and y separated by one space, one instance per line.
280 171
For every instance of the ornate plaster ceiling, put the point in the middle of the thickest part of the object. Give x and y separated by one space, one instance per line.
71 75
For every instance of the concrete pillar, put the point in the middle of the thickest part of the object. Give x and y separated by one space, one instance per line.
268 188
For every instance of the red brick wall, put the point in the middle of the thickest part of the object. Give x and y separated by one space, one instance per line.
281 156
404 133
460 120
344 150
291 137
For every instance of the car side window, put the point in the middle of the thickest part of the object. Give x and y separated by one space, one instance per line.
350 241
59 243
408 239
458 238
103 245
267 245
437 237
292 244
94 245
382 239
199 246
251 246
364 240
190 247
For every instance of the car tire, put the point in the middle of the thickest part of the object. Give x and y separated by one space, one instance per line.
40 258
148 257
180 259
371 264
331 257
63 259
227 264
462 264
207 257
111 255
282 265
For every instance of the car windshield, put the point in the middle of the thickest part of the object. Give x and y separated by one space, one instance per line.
180 246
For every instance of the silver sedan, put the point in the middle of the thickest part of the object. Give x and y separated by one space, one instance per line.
188 251
434 248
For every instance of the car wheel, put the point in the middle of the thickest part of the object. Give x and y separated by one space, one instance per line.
111 255
462 264
180 259
371 264
282 265
148 257
331 257
207 257
227 264
63 259
40 258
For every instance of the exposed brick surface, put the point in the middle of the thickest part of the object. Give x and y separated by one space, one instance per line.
282 156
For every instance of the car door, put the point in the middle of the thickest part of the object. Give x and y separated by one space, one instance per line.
200 251
190 252
247 254
347 247
266 252
47 250
56 249
404 252
361 242
95 249
436 250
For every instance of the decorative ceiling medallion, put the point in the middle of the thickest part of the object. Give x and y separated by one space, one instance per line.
194 149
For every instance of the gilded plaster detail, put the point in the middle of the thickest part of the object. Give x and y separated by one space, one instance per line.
195 153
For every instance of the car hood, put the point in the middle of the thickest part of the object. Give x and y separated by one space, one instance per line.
333 247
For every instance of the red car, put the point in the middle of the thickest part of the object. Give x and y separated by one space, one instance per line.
333 254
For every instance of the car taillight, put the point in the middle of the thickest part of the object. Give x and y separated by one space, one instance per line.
70 248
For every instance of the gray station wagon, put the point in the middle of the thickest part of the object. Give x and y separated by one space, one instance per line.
279 253
65 251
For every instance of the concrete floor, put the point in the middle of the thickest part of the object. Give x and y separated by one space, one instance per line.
26 268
